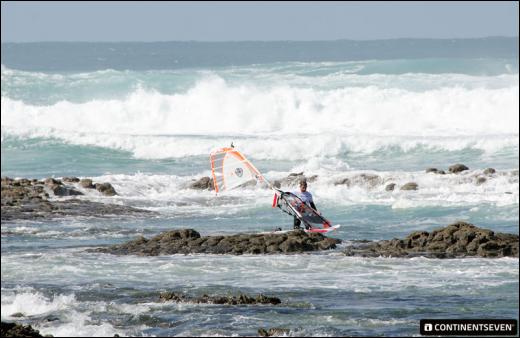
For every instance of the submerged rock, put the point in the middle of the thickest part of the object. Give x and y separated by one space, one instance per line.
457 168
70 179
273 332
60 190
489 171
456 240
106 189
204 183
86 183
390 187
364 180
51 181
221 300
293 179
480 180
17 330
435 171
410 186
185 241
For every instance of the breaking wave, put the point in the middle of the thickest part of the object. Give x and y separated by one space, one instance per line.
151 124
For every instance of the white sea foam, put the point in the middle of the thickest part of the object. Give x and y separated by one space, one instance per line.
213 106
34 303
317 121
170 192
75 320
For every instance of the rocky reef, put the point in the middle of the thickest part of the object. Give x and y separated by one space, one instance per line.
459 239
371 180
241 299
51 198
18 330
273 332
186 241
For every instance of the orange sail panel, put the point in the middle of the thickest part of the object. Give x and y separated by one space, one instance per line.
230 169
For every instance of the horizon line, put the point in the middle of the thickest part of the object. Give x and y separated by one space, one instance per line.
238 41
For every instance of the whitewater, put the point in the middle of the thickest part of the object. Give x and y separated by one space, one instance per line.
149 133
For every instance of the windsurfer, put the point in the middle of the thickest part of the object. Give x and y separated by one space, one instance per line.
306 198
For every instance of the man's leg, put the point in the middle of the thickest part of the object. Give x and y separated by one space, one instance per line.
297 223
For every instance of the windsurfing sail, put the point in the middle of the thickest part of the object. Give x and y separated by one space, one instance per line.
231 169
294 206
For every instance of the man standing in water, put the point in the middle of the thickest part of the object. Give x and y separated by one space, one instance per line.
306 197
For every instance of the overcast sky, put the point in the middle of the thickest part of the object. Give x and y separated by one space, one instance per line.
236 21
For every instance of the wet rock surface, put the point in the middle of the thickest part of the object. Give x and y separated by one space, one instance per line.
31 199
186 241
457 168
204 183
489 171
435 171
17 330
294 179
459 239
410 186
367 180
273 332
106 189
241 299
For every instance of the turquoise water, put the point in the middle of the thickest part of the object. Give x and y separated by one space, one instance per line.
147 126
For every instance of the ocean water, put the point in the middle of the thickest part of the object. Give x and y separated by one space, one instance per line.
145 117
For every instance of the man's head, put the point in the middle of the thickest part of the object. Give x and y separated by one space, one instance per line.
303 185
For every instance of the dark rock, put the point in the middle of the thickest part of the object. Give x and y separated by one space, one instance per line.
390 187
369 180
70 179
204 183
457 168
294 179
51 181
291 245
431 170
24 182
263 332
480 180
186 241
17 330
410 186
273 332
456 240
221 300
60 190
106 189
489 171
17 315
86 183
28 200
343 181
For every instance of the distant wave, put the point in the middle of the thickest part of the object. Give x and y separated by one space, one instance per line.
213 106
280 121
